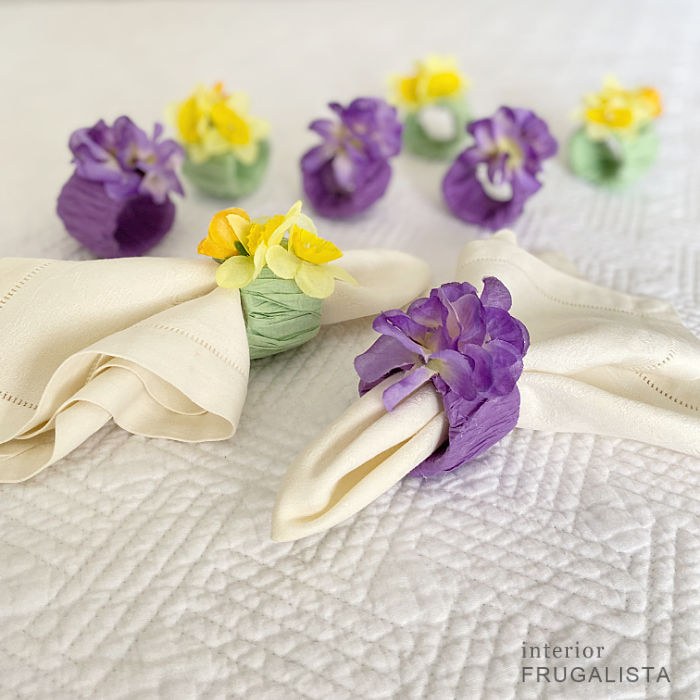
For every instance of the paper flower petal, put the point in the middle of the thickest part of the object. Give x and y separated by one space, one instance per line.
340 273
236 272
312 248
283 263
456 371
386 355
314 280
496 294
411 381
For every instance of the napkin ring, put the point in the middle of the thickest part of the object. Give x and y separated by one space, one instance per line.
489 183
117 202
436 110
283 271
617 141
349 171
227 149
470 348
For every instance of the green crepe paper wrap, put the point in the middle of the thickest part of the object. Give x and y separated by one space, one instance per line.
278 315
227 177
417 141
597 162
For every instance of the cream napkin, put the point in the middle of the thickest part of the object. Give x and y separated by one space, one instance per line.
152 343
599 362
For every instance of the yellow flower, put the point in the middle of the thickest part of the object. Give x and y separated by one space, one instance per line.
312 248
211 122
256 238
306 262
650 100
246 246
615 111
435 78
226 229
188 116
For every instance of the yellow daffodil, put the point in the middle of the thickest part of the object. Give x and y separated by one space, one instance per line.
615 111
306 262
435 78
256 237
212 122
225 231
245 246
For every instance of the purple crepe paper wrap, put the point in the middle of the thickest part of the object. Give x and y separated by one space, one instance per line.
112 228
116 202
489 182
350 170
470 348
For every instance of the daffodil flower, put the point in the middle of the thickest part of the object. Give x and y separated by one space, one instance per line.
615 111
435 78
224 237
245 246
306 262
211 122
255 237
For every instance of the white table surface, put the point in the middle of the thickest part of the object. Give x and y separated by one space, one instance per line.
136 568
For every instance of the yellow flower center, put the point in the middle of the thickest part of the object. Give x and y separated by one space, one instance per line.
615 117
513 150
442 84
188 117
260 233
312 248
619 111
222 237
230 125
408 87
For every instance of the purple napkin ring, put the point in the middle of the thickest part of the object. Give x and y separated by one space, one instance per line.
350 170
470 348
116 203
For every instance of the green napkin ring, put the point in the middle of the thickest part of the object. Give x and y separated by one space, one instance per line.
227 177
615 162
278 315
419 141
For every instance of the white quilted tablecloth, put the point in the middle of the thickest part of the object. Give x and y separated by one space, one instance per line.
143 568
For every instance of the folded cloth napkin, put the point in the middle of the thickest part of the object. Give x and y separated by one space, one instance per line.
152 343
600 361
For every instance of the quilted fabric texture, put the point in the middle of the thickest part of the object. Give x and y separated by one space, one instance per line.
143 568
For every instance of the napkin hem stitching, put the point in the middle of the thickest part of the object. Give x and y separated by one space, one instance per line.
207 346
18 285
665 394
5 396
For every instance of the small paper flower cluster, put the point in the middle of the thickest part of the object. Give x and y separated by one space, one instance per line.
211 122
615 111
470 348
490 181
244 247
126 160
350 169
435 78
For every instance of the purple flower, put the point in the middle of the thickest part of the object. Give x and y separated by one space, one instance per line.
117 202
489 182
470 348
126 160
349 171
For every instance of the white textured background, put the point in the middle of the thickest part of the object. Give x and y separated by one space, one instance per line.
143 568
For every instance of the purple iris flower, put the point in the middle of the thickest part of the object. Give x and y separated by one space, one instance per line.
489 182
126 160
470 348
117 201
349 171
